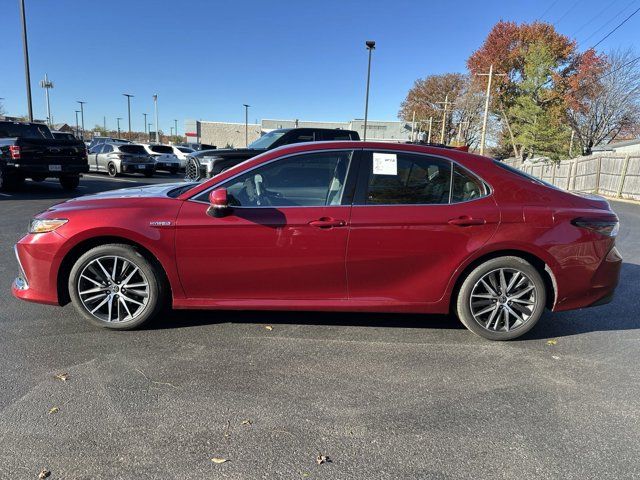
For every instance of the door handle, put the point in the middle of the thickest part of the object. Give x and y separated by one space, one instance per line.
466 221
327 222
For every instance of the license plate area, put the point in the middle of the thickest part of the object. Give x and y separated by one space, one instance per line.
55 168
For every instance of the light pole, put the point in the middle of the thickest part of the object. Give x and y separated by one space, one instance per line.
77 128
82 115
25 48
149 131
145 123
246 124
129 110
46 84
371 46
175 122
155 106
118 120
171 131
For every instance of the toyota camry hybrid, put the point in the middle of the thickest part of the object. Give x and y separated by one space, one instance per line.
333 226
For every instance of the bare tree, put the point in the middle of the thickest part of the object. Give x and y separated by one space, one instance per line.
609 105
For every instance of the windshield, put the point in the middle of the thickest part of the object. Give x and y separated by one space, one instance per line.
267 139
137 149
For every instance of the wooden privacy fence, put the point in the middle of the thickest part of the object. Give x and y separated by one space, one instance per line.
616 176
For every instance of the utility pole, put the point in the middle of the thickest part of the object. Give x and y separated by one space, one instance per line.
155 106
46 84
246 124
104 124
371 46
444 117
25 48
118 120
129 110
573 132
171 131
430 125
77 128
82 115
483 136
413 126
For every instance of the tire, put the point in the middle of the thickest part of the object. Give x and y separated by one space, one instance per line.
522 305
148 174
112 170
70 183
142 304
173 171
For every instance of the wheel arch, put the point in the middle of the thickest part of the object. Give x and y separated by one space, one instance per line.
538 263
85 245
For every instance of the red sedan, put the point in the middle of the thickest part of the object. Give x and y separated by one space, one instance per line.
334 226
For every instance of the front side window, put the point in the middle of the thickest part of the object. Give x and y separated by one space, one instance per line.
107 149
268 139
406 179
308 180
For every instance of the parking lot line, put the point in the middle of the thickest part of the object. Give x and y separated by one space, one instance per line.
112 179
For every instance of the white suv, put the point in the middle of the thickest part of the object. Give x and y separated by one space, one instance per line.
164 157
181 153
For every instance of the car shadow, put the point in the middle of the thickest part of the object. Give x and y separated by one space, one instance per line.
620 314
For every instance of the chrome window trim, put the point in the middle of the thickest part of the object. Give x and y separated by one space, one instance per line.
208 190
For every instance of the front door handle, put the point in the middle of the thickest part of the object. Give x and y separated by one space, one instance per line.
466 221
327 222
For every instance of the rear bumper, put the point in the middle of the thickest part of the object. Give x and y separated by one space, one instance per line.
590 287
138 167
28 170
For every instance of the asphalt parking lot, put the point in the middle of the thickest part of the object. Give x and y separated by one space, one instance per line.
383 396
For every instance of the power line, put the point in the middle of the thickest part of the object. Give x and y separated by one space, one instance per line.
567 12
553 4
608 22
611 72
617 27
595 17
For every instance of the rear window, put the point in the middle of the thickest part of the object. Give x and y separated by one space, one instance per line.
522 174
161 149
186 150
9 130
137 149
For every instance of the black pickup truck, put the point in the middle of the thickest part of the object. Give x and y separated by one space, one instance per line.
208 163
29 150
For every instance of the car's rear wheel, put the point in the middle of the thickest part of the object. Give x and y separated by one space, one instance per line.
115 286
502 298
112 170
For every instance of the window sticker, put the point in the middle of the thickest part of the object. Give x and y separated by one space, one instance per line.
385 164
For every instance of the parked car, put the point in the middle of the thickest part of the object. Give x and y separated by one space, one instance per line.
117 158
29 150
198 146
346 226
207 163
164 157
99 140
182 152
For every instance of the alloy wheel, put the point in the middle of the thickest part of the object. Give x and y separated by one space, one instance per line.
113 289
503 300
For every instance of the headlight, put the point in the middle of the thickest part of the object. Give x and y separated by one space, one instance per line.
45 225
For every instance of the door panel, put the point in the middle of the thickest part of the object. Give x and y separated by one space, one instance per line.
262 253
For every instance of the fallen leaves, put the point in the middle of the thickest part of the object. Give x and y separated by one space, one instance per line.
44 473
268 327
61 376
219 460
320 459
53 410
552 342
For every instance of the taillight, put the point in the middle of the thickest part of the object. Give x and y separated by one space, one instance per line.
14 151
603 226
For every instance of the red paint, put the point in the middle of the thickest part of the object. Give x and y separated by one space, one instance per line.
363 258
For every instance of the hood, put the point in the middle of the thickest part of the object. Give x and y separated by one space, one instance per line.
148 191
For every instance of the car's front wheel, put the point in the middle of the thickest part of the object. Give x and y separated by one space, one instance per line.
502 298
115 286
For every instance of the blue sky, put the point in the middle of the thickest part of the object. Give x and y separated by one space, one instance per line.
288 59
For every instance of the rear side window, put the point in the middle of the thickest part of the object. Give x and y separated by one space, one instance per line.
465 186
161 149
337 135
406 179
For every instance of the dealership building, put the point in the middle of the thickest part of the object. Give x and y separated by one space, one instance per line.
225 134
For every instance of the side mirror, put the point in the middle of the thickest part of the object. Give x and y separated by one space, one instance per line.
219 203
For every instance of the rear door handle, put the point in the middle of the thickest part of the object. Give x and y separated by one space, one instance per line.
466 221
327 222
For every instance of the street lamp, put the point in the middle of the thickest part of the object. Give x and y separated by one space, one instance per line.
118 120
371 46
155 106
175 122
145 123
82 115
129 110
149 131
246 124
77 133
25 48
